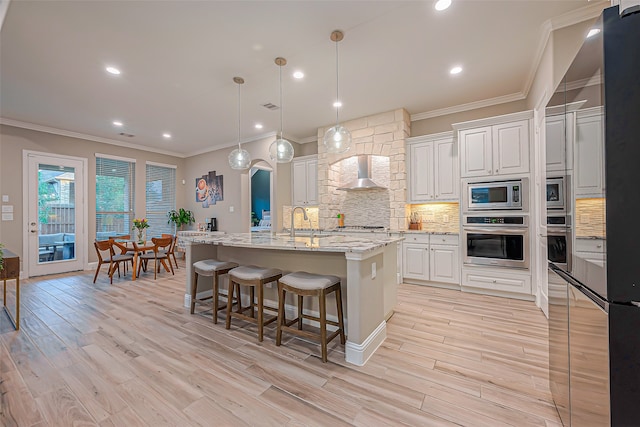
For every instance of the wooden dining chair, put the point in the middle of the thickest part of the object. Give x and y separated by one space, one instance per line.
159 255
171 253
107 255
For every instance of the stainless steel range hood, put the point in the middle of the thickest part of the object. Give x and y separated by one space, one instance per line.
363 182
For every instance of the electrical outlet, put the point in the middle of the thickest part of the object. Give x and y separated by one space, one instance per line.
373 270
445 218
231 208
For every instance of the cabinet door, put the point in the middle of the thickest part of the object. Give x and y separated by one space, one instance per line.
443 264
511 148
299 184
312 182
415 258
446 176
555 143
475 152
588 151
421 172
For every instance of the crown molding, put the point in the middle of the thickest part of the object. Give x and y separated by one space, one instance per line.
488 121
591 11
469 106
78 135
231 144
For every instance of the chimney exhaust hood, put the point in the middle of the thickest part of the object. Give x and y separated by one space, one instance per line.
363 182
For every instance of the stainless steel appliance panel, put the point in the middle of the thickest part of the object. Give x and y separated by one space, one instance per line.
496 195
556 194
496 246
559 345
589 360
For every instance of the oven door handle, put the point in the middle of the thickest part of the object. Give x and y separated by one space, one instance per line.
497 230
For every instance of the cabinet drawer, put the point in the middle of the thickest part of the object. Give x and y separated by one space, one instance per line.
422 238
444 239
503 282
590 245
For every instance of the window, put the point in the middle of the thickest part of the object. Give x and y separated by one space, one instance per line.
115 195
161 197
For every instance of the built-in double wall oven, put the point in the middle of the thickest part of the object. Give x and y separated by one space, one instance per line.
495 224
496 240
556 193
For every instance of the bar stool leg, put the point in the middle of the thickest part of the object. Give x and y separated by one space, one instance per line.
194 286
300 307
340 318
215 298
230 296
260 312
323 323
282 318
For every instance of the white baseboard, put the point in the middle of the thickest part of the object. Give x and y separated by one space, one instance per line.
358 354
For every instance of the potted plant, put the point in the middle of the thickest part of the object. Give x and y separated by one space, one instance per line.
1 257
180 217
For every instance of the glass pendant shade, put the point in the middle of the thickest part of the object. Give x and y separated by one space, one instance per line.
239 159
281 151
337 139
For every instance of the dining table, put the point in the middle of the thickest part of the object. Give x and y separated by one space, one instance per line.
133 245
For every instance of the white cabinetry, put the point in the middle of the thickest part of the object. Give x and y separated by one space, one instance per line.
432 258
486 280
304 177
589 154
592 250
494 149
433 168
559 151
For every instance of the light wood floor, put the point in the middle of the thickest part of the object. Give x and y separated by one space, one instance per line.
129 354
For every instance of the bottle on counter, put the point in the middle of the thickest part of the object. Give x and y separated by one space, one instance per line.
341 220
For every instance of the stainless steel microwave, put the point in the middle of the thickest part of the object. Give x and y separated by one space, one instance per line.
555 193
493 195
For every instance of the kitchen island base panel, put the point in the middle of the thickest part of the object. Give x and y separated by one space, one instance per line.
364 285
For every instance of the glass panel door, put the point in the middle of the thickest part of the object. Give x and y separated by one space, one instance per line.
54 215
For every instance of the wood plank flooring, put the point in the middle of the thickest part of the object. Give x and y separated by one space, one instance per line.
129 354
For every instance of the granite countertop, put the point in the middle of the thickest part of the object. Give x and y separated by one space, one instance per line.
319 243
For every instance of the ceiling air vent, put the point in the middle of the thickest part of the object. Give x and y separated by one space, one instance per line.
270 106
126 134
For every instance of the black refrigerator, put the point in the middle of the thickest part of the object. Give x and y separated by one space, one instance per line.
594 297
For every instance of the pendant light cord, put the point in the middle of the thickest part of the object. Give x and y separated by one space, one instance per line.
239 147
281 106
337 85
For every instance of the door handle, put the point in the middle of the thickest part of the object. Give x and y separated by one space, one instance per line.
34 231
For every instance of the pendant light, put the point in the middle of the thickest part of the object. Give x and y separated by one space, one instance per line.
281 150
337 139
239 158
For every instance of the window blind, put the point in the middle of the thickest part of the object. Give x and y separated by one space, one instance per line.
161 198
115 195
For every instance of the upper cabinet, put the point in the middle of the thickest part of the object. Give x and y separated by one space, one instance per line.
589 154
494 149
559 156
433 168
304 176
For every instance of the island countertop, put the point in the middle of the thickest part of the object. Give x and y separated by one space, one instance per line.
319 243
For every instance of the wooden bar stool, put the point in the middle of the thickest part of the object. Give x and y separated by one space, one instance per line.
253 277
211 268
307 284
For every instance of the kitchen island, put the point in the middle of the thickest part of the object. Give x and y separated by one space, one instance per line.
367 267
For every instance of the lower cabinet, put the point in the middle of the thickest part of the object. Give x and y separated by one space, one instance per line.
432 258
499 280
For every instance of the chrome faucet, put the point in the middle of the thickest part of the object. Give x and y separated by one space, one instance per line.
292 231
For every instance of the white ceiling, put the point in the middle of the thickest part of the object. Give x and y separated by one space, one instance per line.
178 59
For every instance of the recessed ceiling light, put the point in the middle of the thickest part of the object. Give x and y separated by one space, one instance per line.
456 70
337 104
117 123
442 4
258 126
166 135
113 70
593 32
298 75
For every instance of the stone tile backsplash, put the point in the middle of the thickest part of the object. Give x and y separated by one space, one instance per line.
590 217
438 217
